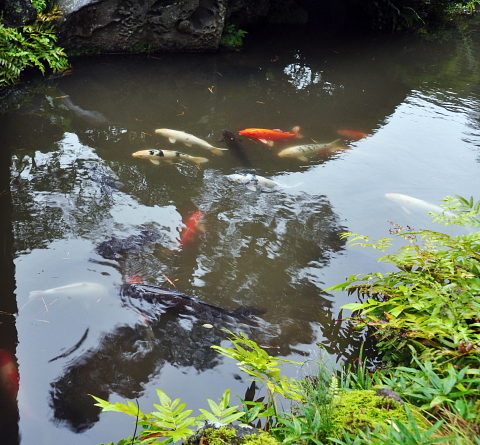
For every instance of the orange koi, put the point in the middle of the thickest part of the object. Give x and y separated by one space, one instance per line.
353 134
134 279
268 136
9 376
193 226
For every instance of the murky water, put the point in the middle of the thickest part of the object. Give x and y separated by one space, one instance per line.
74 185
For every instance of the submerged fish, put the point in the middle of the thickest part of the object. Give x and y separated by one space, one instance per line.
164 300
187 139
409 204
85 289
251 181
116 247
154 156
353 134
268 136
235 146
9 376
193 226
303 152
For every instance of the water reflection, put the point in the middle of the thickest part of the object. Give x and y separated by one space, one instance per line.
75 185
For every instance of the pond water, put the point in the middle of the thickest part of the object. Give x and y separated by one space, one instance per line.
70 183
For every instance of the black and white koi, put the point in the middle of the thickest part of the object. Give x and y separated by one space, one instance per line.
251 181
155 156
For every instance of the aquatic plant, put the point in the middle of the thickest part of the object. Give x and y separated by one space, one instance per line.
232 37
30 46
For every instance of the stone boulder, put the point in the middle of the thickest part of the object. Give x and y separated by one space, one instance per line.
141 25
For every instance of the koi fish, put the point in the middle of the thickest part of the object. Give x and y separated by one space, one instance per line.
303 152
410 204
9 376
154 156
252 182
164 300
353 134
73 290
268 136
193 226
235 145
188 139
134 279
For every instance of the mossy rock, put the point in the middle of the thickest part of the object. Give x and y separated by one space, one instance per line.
231 435
364 409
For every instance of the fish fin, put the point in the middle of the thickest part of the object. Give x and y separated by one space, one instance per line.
252 187
269 143
172 140
188 144
35 294
155 161
336 143
406 210
218 151
296 130
303 158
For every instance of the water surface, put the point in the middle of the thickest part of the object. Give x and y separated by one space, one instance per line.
74 184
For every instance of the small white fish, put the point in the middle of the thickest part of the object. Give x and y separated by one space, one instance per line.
85 289
188 139
252 182
154 156
303 152
409 204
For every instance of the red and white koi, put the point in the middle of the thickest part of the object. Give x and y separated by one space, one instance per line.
193 227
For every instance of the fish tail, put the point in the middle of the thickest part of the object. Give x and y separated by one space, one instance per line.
217 151
199 160
296 130
337 143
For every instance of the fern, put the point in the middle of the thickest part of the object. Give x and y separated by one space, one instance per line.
30 46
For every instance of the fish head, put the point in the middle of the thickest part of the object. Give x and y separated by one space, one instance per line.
162 131
286 153
148 154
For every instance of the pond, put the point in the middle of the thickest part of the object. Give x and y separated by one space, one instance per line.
70 184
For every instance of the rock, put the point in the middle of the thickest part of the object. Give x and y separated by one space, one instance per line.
17 13
127 25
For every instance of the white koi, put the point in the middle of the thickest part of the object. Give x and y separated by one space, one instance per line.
303 152
87 290
155 156
188 139
409 204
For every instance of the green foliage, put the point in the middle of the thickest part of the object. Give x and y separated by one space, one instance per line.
232 37
432 302
255 361
407 432
30 46
171 420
